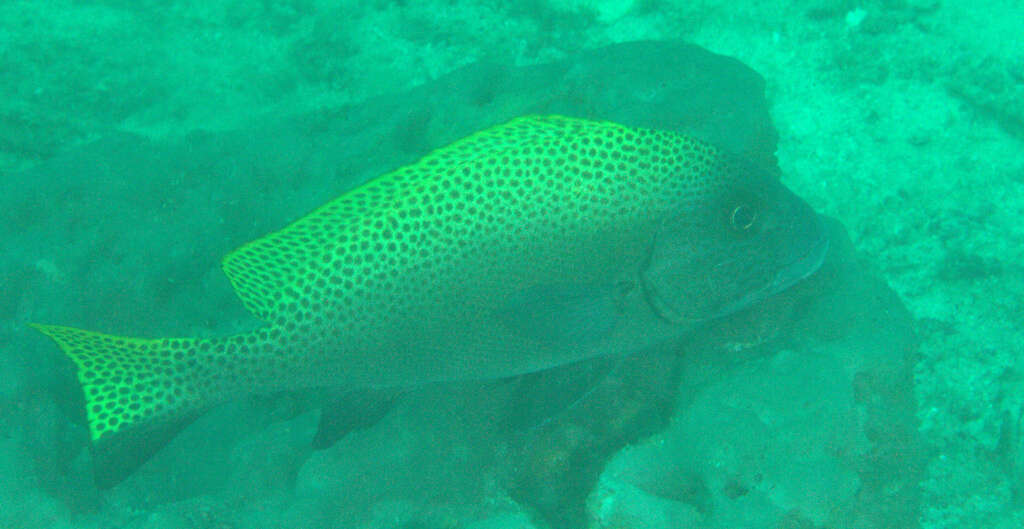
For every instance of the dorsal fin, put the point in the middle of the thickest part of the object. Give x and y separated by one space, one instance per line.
269 272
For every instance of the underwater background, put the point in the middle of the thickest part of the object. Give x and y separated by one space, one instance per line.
142 141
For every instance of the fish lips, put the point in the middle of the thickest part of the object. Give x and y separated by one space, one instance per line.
788 275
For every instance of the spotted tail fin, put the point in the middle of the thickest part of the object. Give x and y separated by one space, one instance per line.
138 393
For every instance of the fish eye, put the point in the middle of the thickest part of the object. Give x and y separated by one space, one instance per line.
742 217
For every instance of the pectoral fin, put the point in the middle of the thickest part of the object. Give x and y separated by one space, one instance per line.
563 313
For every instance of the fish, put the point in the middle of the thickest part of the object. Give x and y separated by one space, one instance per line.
535 243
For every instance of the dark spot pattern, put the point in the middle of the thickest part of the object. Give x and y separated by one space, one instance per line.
345 267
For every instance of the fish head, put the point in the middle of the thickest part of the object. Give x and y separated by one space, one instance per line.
741 237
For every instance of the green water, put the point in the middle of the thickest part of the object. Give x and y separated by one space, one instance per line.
142 141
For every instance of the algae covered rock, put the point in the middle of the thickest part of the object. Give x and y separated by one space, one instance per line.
813 427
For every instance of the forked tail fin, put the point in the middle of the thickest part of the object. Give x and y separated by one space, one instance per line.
138 393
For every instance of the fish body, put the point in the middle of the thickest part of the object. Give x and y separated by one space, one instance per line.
532 244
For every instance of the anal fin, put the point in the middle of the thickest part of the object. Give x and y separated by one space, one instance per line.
345 412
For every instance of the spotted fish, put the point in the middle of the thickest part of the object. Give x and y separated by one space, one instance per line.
532 244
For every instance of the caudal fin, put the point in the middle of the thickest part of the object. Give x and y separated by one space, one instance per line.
138 394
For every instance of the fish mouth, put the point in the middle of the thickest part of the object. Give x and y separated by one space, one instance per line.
802 268
788 275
